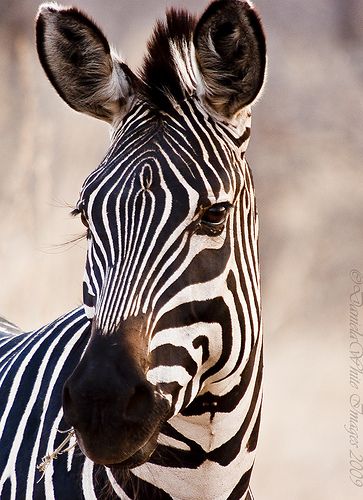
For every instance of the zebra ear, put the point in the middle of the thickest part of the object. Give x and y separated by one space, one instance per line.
79 63
231 54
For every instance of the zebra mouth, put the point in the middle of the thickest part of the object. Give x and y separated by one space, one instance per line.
126 447
124 461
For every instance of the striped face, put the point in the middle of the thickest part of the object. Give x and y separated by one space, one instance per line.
171 281
160 211
170 212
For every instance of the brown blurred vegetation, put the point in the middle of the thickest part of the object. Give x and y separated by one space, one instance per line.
306 154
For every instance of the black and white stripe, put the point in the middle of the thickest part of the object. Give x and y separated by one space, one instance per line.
171 286
33 368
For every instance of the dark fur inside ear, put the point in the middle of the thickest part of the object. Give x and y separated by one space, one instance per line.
77 59
231 53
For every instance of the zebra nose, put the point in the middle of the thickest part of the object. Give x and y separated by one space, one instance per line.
90 403
109 388
114 410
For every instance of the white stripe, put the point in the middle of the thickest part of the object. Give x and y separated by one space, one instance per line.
117 489
55 374
87 480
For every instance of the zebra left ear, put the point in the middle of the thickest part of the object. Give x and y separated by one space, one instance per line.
230 51
80 64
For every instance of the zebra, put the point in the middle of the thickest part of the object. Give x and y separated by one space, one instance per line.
157 376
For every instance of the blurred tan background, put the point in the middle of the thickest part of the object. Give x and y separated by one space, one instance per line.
306 154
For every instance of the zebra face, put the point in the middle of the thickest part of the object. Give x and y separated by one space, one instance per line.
170 216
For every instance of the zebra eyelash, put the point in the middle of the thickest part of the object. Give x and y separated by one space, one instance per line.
75 213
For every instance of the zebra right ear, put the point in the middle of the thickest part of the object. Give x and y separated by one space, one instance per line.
79 63
230 51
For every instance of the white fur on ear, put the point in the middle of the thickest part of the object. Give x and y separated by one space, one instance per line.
50 6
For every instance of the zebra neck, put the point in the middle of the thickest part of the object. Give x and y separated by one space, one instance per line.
208 450
202 457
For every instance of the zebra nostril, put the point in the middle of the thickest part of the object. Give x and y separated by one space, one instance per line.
140 403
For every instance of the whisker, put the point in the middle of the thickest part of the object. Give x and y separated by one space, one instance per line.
57 248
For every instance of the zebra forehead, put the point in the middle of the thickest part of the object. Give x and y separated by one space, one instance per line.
155 165
177 186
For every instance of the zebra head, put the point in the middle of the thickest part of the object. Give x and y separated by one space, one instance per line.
171 281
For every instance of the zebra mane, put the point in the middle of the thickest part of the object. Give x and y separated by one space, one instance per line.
167 75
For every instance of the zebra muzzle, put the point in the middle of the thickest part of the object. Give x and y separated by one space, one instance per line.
115 411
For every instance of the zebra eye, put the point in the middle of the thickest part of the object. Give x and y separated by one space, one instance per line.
216 215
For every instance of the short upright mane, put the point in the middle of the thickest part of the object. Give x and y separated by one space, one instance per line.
166 74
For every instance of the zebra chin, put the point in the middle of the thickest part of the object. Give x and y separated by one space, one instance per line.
127 457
